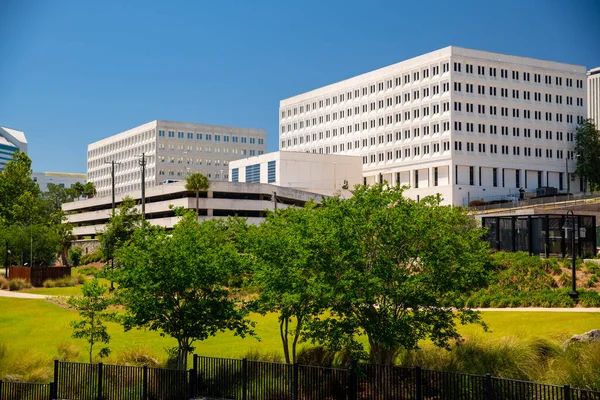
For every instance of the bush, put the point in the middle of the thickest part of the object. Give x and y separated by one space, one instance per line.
67 281
138 357
592 281
68 352
3 283
89 270
256 355
75 254
18 284
96 256
478 203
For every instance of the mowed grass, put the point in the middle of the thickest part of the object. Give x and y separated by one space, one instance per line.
39 326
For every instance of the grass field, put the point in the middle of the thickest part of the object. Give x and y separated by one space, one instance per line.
42 326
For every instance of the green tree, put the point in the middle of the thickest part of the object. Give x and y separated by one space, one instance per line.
197 182
17 190
78 189
396 271
174 282
587 148
120 227
64 232
75 254
92 308
287 270
55 197
89 190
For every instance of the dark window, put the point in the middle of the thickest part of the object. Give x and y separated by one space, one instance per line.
471 176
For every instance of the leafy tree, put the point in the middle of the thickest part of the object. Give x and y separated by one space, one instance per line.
92 308
174 282
55 197
16 187
75 254
198 183
64 232
396 270
587 147
120 227
89 190
79 189
287 270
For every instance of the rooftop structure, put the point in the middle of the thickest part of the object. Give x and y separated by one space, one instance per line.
11 140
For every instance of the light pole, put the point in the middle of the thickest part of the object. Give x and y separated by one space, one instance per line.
143 165
573 293
110 248
6 259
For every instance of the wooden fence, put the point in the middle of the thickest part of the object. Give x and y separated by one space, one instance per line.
37 275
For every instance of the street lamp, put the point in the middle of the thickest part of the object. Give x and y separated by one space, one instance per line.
6 259
573 293
112 175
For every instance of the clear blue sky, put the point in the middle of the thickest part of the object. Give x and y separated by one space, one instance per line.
75 71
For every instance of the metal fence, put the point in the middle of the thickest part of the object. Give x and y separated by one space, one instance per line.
221 378
26 391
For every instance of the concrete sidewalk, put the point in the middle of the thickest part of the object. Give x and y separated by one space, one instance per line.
542 309
17 295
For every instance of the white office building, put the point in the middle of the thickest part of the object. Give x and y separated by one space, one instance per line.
326 174
464 123
11 140
593 83
172 150
62 179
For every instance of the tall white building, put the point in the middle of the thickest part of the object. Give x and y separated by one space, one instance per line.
11 140
172 151
463 123
593 82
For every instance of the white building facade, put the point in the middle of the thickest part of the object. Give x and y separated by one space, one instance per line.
463 123
62 179
593 82
11 140
326 174
172 150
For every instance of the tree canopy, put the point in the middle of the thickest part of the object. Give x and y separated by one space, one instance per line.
587 148
175 282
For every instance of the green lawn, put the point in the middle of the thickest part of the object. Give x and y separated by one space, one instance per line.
42 326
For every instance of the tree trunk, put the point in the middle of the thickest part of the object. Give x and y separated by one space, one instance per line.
182 353
283 332
379 354
296 337
65 256
197 207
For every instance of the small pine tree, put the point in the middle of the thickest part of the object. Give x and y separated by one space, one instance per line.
92 308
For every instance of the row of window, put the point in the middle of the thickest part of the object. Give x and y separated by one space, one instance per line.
181 174
518 75
209 136
516 131
517 180
426 111
518 94
516 150
123 144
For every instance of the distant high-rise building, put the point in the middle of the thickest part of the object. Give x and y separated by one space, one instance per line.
593 84
466 124
11 140
172 151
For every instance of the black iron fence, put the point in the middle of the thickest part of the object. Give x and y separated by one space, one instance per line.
220 378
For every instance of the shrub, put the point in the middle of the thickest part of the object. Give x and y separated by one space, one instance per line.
138 357
592 281
96 256
75 254
49 283
3 283
18 284
256 355
564 279
478 203
591 267
68 352
90 270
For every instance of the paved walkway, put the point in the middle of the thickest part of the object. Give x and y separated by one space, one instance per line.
18 295
541 309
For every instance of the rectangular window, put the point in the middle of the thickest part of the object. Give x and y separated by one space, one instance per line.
235 175
435 176
471 176
253 173
271 168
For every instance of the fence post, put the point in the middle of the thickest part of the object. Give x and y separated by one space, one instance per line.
191 384
352 384
51 391
55 391
99 381
488 387
0 388
195 367
418 394
566 392
145 383
295 382
244 378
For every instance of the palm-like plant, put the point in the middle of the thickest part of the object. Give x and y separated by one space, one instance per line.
197 182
